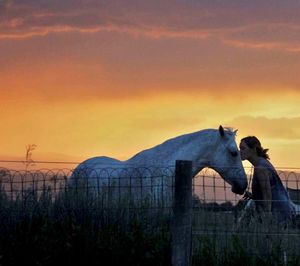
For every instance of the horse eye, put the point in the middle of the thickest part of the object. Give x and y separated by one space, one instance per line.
234 153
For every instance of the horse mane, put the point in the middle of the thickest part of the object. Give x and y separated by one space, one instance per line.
176 142
230 130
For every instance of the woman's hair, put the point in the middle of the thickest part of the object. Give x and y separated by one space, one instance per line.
253 142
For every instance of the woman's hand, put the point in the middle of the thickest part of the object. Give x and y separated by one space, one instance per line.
247 195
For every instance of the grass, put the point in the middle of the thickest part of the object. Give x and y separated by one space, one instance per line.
43 228
218 239
77 229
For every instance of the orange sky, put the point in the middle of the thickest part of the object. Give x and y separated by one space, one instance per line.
87 78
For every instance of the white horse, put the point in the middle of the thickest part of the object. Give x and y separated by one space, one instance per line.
213 148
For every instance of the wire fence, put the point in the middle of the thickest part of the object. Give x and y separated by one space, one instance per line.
115 198
208 186
51 216
152 184
227 228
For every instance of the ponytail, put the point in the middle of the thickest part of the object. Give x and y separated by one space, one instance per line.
261 152
253 142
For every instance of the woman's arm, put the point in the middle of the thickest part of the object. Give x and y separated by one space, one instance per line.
263 178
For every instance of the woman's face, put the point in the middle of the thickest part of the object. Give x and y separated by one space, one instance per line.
245 151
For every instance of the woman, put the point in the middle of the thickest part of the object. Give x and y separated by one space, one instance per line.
268 191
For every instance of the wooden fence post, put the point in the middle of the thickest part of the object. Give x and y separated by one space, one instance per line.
182 215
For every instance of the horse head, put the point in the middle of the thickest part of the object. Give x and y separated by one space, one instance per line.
225 159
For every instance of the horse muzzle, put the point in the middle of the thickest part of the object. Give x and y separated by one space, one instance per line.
238 190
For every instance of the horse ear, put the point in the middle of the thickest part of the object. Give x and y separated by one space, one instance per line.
221 130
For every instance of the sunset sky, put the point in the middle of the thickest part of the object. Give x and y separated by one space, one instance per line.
85 78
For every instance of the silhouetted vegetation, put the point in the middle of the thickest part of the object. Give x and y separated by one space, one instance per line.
79 230
73 227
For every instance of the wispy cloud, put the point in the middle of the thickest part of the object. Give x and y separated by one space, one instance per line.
251 25
268 36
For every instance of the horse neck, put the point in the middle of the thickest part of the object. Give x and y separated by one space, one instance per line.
199 150
195 147
206 156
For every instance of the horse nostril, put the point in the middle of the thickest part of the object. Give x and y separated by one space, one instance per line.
234 153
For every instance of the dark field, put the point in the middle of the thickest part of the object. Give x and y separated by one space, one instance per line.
46 224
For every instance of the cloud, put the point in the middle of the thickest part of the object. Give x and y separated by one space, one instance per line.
248 24
100 64
262 36
276 128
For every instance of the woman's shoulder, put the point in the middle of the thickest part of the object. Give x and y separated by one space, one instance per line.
264 163
264 166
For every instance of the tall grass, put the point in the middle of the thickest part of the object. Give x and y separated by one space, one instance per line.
44 227
76 228
219 238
